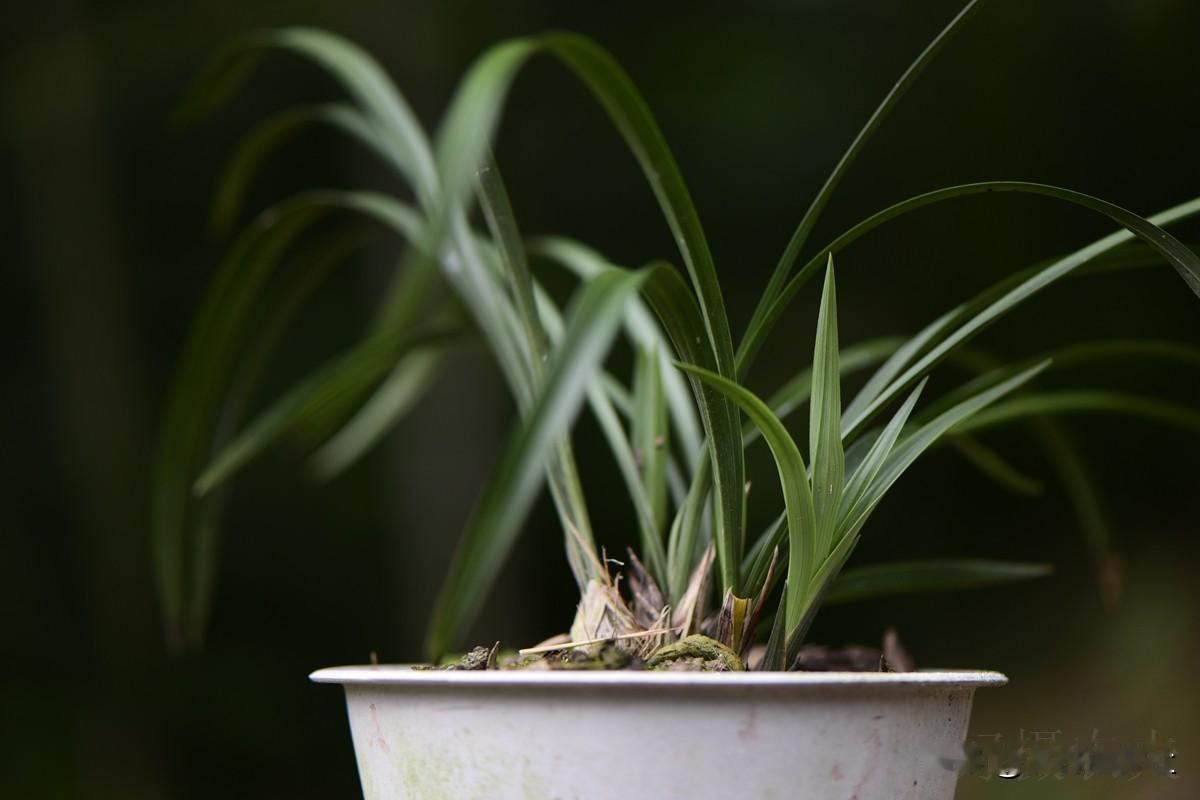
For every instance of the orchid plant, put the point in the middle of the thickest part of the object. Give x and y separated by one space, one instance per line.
677 430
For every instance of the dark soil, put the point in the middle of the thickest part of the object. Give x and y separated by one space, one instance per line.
691 654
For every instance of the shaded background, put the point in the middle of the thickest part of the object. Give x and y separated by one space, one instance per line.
107 254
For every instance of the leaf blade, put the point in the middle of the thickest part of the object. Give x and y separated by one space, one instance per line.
793 478
514 483
934 575
825 420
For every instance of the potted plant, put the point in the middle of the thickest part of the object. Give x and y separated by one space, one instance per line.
630 687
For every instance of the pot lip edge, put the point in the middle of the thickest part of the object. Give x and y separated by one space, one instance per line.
405 675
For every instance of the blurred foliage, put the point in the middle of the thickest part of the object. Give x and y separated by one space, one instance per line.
105 215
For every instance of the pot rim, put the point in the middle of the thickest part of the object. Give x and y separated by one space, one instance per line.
405 675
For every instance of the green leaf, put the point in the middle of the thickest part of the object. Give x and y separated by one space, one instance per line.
902 356
1184 260
687 535
793 478
363 366
241 168
863 478
910 448
914 577
759 319
676 308
825 417
775 655
600 394
1087 501
272 318
1081 488
1036 404
1175 253
562 473
198 390
514 483
642 331
193 404
650 431
409 380
347 63
462 143
796 391
994 466
758 559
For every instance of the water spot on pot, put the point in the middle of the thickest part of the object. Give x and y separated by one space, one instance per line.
1008 773
836 773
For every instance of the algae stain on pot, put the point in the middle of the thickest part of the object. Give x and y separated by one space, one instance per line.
429 768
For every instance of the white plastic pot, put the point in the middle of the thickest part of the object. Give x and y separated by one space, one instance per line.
634 735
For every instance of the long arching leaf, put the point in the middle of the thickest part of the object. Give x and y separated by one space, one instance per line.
803 554
800 236
675 306
358 73
936 575
462 143
1149 231
270 134
1184 260
1097 401
515 481
642 331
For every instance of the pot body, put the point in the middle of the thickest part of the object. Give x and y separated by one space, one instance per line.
635 735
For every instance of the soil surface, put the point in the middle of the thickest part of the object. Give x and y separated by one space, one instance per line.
690 654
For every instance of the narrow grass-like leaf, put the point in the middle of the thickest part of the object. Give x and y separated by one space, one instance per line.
864 474
1087 501
797 390
270 134
202 374
818 586
793 478
462 142
642 331
272 318
1036 404
358 73
364 365
994 466
650 431
404 386
592 324
900 358
600 394
562 472
776 652
688 534
758 560
910 448
1186 262
800 236
825 419
193 400
675 306
939 575
1082 491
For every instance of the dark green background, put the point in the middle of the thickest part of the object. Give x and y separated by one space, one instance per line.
103 218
